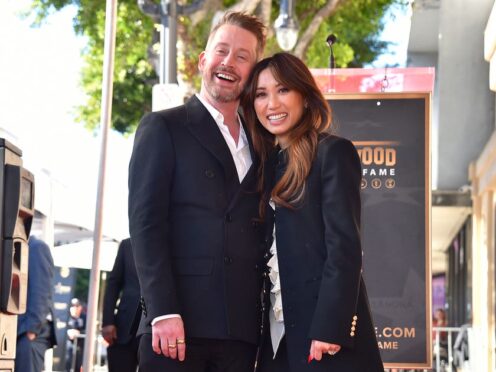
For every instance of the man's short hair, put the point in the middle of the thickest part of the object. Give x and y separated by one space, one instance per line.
247 22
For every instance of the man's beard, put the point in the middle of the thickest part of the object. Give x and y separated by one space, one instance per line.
218 93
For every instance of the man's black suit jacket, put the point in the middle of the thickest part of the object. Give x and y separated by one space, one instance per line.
194 230
122 283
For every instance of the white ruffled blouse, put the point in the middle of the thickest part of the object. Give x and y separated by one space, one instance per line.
276 317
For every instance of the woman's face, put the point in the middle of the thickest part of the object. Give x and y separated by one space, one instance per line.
278 108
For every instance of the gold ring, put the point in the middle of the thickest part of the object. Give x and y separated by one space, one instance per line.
172 346
180 341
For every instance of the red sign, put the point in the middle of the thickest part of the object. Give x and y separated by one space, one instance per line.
373 80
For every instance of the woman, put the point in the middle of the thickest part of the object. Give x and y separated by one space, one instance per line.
319 313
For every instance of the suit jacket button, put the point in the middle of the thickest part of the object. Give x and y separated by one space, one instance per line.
209 173
227 260
228 217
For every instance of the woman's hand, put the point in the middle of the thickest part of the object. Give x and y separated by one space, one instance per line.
109 333
318 348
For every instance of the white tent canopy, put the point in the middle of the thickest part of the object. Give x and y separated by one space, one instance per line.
79 255
66 171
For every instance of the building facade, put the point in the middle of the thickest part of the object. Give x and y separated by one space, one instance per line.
458 37
482 175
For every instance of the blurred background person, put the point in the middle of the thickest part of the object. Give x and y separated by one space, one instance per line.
76 325
35 328
119 308
440 320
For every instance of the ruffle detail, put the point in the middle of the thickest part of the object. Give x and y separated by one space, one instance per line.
276 299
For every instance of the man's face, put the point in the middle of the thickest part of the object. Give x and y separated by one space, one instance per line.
227 62
75 310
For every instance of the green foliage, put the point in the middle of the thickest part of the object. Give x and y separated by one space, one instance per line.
82 284
134 76
194 40
356 23
41 9
360 25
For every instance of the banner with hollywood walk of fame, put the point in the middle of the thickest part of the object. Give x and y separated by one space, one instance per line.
391 132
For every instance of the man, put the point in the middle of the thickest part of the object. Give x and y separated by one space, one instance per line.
122 289
76 325
35 328
192 216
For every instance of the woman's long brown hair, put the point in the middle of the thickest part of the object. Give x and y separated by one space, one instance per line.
293 74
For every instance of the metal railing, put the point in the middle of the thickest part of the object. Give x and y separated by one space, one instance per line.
444 353
443 348
101 352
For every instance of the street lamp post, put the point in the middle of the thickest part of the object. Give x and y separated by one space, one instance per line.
105 118
286 26
331 40
166 14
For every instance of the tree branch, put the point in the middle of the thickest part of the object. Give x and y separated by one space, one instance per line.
265 8
200 14
304 41
248 6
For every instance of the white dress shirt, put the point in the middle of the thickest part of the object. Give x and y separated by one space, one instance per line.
240 153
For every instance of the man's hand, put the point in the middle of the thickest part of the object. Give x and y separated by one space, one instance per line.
109 333
168 338
30 335
72 333
318 348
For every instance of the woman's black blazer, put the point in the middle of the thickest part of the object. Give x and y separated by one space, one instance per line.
320 264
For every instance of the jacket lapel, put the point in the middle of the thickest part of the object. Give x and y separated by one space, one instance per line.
249 183
254 163
201 125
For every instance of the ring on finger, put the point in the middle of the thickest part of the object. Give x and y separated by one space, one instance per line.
331 352
180 341
172 346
